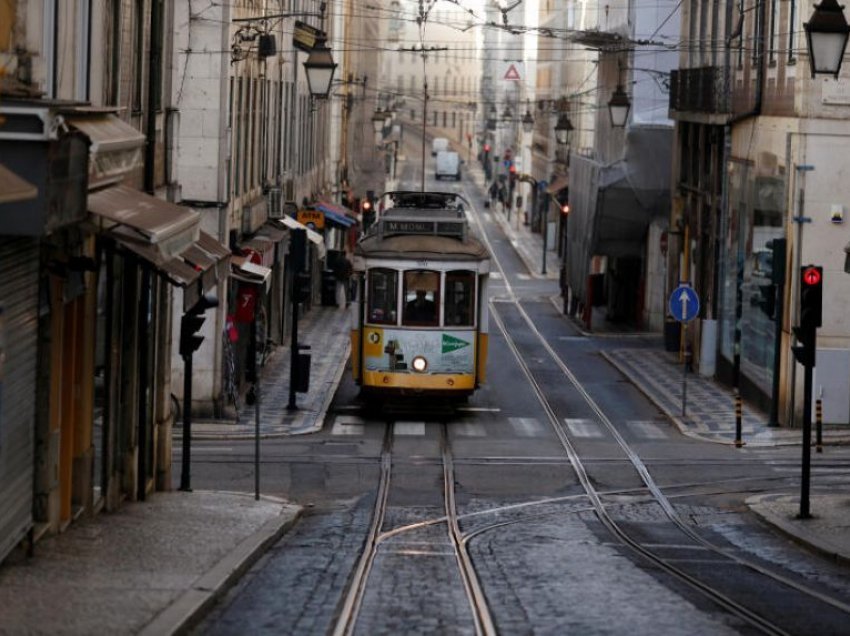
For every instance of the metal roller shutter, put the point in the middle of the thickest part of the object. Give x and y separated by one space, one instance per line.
19 260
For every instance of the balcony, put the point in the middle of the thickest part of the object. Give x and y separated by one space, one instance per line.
699 90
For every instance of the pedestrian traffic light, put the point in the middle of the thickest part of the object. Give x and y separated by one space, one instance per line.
190 340
303 287
298 250
804 352
811 296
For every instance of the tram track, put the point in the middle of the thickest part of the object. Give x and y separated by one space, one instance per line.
616 529
353 599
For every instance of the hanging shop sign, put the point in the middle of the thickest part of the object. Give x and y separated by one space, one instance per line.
313 219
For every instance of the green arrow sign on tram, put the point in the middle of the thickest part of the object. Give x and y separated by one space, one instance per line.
450 343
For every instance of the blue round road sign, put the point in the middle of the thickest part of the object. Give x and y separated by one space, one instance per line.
684 303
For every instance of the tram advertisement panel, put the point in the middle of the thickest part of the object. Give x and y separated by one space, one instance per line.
450 351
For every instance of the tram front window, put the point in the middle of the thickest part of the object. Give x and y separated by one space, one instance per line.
421 298
383 286
460 299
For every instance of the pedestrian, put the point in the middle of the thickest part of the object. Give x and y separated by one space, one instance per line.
493 193
342 273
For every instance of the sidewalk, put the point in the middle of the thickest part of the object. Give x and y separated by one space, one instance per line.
151 568
710 416
327 331
527 244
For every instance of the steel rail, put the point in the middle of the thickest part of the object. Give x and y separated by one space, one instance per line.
642 470
610 524
640 467
477 599
347 617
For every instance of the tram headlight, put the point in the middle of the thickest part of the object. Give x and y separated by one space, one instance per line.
419 364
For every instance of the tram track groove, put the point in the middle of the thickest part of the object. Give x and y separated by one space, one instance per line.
347 616
640 467
609 523
657 493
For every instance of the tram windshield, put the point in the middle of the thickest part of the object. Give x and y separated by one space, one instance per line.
383 292
421 298
460 299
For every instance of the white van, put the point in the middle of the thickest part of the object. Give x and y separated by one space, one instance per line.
448 165
438 145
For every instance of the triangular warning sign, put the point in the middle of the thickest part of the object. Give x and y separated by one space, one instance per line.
512 74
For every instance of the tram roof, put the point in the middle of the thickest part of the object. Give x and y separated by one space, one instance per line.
417 246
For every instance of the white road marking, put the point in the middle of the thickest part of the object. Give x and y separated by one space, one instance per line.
526 426
523 276
348 425
469 429
410 428
479 409
583 428
646 429
212 449
495 276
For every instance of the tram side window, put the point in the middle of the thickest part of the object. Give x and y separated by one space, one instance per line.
383 294
421 298
460 299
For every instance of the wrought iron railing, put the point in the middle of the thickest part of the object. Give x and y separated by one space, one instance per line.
704 90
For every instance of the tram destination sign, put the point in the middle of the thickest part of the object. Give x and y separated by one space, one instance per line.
408 226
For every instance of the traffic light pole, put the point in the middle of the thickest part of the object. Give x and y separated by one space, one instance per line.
807 438
293 363
773 419
186 460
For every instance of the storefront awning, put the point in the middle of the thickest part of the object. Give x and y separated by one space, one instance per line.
116 147
263 242
245 271
313 237
337 213
14 188
560 182
155 221
197 269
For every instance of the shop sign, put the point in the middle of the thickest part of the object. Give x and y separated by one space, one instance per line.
314 219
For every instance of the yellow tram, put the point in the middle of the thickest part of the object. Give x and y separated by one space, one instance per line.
421 318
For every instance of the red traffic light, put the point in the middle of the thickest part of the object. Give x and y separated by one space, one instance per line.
366 206
513 169
486 147
812 276
565 208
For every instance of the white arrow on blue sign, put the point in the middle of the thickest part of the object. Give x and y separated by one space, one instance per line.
684 303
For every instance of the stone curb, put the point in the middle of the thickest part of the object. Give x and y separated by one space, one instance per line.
795 529
249 435
193 604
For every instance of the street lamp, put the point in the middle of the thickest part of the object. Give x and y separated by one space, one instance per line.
619 107
320 67
563 127
527 122
507 115
826 37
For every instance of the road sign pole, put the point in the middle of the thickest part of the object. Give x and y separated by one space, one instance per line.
685 371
